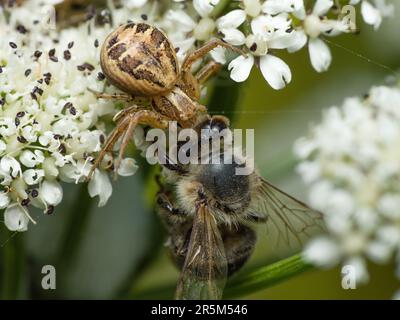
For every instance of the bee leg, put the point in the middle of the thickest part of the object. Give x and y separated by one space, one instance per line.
144 117
178 226
206 48
239 243
205 73
164 203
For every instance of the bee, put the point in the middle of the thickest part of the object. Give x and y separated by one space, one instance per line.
140 60
209 212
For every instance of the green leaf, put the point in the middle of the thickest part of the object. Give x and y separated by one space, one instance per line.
265 277
243 283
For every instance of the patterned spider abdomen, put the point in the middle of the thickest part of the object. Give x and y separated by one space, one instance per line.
140 60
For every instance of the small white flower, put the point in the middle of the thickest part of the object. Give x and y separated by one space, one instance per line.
275 71
322 252
100 186
370 14
16 219
374 12
274 7
11 166
204 7
240 68
4 200
30 159
128 167
32 176
51 192
320 54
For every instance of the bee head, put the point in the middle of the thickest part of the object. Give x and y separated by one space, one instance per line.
212 126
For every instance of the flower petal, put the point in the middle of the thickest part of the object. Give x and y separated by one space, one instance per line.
284 40
298 42
51 192
218 54
204 7
233 36
323 252
4 200
371 15
320 54
128 167
274 7
232 19
240 68
15 218
100 185
181 18
321 7
275 71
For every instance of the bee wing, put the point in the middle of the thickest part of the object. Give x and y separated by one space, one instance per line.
288 219
204 272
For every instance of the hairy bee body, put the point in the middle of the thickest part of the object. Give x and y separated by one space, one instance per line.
239 241
209 208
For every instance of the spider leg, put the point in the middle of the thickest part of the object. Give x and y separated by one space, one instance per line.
118 96
206 72
206 48
111 140
134 118
125 128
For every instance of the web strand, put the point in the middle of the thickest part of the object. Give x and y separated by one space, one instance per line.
359 55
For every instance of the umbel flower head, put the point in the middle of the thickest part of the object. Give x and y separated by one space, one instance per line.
265 27
351 161
52 126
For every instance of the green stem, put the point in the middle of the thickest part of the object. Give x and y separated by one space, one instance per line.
266 277
244 283
12 264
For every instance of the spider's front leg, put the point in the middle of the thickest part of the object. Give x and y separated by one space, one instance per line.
206 72
117 96
126 125
205 49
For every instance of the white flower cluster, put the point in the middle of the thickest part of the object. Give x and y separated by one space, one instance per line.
52 126
352 163
266 26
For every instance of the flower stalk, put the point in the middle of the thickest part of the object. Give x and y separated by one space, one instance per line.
266 276
245 283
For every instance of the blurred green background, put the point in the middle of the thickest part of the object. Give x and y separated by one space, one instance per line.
117 251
